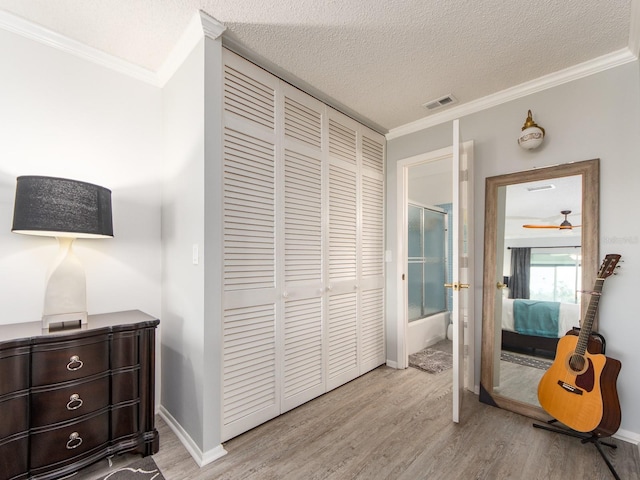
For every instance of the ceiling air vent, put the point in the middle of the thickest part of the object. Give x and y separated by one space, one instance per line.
540 188
440 102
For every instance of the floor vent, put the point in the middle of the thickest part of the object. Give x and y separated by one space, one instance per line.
440 102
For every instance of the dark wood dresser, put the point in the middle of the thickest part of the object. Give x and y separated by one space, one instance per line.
71 397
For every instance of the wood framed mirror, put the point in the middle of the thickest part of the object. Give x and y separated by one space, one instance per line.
534 198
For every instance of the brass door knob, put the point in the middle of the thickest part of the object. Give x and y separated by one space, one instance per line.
501 285
456 286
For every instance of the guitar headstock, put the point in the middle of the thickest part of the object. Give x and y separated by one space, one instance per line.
608 265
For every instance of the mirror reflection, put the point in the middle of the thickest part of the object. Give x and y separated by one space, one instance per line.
539 263
541 248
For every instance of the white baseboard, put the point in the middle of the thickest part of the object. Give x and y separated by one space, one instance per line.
201 458
392 364
627 436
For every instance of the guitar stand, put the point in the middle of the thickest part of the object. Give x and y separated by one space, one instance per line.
586 438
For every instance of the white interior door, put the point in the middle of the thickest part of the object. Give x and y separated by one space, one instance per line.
461 265
461 158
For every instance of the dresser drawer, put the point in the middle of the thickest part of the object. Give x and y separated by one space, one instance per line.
14 457
14 416
125 349
14 370
124 421
69 361
71 440
125 386
60 404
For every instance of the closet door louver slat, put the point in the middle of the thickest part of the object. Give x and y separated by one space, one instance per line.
303 376
342 142
302 123
249 362
343 331
372 329
372 155
342 223
372 227
249 213
303 218
248 98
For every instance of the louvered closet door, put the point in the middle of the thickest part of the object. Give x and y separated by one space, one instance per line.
342 251
251 390
372 345
303 376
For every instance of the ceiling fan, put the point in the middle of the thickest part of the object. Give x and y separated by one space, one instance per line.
565 225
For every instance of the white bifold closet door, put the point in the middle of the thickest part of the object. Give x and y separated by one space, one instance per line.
371 253
355 250
251 391
303 247
301 230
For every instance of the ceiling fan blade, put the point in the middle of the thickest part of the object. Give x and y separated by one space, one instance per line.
541 226
557 227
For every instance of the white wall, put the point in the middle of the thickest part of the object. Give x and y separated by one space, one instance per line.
67 117
430 184
182 228
191 217
594 117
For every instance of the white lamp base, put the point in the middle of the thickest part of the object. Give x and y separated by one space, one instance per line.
65 297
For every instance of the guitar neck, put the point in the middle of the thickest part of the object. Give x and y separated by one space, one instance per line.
587 324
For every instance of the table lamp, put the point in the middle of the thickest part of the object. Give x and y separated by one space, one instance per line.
65 209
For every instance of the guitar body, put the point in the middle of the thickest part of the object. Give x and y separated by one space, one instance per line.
584 399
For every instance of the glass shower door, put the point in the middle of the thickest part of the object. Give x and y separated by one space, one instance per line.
416 264
427 262
435 262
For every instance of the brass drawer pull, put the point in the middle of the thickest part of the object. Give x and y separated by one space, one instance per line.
74 363
74 402
74 441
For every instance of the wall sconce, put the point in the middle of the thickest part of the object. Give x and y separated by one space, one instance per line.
65 209
532 134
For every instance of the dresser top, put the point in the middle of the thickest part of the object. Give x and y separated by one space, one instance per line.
114 320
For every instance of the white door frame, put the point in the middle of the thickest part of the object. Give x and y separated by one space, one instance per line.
402 191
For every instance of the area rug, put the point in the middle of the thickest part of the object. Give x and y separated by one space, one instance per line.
431 361
535 362
142 469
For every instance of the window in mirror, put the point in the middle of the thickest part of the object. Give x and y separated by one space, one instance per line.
555 277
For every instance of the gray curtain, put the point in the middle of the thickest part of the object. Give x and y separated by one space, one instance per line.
520 272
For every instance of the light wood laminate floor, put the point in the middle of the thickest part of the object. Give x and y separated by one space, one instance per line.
396 424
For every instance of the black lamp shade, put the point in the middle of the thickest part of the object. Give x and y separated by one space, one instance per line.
61 207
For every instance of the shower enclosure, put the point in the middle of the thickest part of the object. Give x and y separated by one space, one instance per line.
427 273
427 262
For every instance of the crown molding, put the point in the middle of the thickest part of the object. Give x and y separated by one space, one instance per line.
211 27
200 25
560 77
50 38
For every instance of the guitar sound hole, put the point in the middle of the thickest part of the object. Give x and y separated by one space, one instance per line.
577 363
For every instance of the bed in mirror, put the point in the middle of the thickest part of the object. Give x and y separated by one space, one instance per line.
541 249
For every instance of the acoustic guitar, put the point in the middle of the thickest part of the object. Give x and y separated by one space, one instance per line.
579 389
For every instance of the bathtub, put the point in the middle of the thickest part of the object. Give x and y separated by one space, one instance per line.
427 331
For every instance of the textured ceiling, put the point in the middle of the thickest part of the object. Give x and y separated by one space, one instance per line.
380 58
